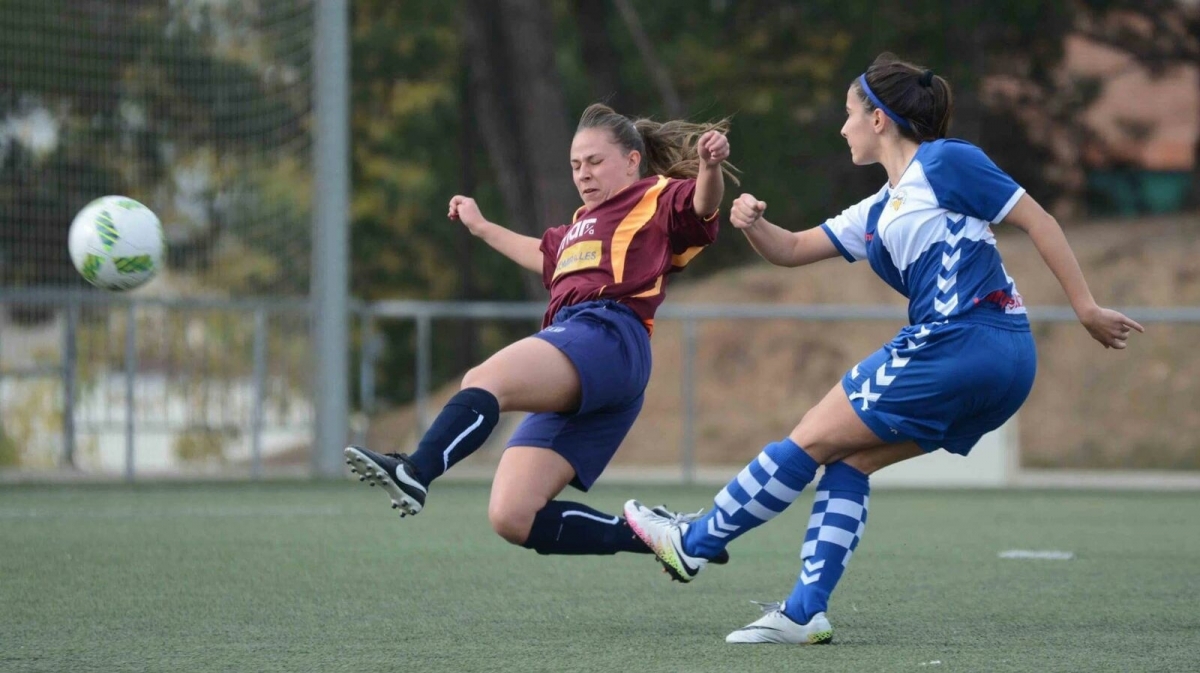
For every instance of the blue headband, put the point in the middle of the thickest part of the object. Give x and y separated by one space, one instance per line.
900 121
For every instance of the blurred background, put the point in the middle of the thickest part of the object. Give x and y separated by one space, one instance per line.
301 153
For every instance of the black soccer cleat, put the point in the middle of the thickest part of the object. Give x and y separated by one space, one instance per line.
394 472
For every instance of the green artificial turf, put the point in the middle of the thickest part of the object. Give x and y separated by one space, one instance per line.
325 577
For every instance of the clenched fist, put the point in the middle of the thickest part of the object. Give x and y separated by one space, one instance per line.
746 211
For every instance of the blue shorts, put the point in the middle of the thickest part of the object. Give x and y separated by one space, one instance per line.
944 385
610 348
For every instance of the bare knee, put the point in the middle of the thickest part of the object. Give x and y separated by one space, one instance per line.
479 377
816 443
511 523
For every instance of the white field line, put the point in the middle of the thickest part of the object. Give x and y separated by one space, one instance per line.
1037 554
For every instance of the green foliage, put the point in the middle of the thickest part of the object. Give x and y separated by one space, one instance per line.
202 445
407 160
10 453
31 424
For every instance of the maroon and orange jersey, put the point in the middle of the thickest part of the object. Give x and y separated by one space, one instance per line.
624 248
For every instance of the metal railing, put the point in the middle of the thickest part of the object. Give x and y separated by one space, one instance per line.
690 315
252 318
259 320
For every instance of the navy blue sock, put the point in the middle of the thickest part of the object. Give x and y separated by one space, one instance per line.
462 427
571 528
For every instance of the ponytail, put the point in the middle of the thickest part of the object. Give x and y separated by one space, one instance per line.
667 148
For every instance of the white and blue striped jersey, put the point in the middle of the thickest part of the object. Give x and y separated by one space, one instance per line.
930 236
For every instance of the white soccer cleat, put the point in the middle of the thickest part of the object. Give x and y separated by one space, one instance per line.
776 627
664 536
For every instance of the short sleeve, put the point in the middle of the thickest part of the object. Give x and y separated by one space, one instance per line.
848 231
967 182
550 242
685 228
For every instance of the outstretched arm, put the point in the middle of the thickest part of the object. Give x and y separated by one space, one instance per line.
524 250
776 244
1109 327
713 148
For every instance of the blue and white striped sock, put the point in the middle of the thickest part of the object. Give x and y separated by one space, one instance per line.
839 516
763 489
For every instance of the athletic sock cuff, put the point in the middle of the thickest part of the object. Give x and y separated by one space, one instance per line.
842 477
479 400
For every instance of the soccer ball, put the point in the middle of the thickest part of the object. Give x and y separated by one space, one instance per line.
116 243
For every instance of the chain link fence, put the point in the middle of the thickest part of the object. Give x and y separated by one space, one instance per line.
203 111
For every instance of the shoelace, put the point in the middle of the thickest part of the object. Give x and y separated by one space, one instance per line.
678 519
768 608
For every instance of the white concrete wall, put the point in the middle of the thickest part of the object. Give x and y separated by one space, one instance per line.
992 463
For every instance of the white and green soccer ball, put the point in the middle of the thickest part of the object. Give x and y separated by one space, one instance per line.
116 243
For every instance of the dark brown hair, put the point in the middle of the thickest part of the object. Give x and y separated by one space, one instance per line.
667 148
914 94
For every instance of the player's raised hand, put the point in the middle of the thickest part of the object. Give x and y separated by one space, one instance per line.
746 211
464 208
1109 327
713 148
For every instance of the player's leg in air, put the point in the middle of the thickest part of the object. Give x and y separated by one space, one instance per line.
530 375
582 407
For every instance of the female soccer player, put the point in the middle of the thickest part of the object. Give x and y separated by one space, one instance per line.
650 196
960 369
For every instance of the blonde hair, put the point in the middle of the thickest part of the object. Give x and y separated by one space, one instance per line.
667 148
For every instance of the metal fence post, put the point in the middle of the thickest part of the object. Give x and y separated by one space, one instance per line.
260 378
424 368
70 355
130 378
329 285
687 451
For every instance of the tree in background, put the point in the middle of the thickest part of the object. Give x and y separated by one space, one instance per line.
782 69
517 102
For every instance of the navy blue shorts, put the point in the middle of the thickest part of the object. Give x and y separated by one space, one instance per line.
610 348
943 385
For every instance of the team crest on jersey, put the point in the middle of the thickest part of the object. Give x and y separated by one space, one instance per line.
898 199
582 255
